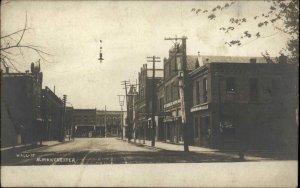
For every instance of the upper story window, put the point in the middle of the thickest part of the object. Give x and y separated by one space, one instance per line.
253 85
167 93
170 68
230 85
161 104
275 91
204 90
197 92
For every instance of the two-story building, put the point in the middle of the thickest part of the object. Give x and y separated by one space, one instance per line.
242 101
108 123
21 121
84 122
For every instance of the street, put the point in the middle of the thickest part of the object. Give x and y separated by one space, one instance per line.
116 151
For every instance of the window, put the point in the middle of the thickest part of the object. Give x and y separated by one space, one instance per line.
196 128
167 94
172 89
170 69
178 63
253 89
197 92
161 104
230 85
205 90
275 89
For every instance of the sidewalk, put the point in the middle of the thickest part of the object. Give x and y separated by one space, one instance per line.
23 146
175 147
249 155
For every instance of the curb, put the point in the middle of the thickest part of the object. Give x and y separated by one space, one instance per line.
47 146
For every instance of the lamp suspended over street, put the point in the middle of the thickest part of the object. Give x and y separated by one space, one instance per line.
100 53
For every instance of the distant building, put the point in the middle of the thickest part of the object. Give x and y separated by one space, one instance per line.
109 123
21 121
84 122
242 101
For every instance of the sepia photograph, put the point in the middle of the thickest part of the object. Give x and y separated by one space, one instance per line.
149 93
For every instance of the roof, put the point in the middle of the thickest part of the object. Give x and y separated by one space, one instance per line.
192 59
101 112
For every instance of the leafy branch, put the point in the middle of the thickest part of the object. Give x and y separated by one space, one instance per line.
279 12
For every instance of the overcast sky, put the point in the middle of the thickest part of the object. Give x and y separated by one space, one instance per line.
130 32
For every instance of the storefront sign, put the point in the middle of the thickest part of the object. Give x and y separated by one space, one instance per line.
197 108
172 103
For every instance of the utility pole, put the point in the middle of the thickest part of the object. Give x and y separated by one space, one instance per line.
63 116
121 102
133 112
182 76
105 121
125 83
153 59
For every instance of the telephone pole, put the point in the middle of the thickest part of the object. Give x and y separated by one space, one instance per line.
121 102
105 128
182 76
153 59
125 84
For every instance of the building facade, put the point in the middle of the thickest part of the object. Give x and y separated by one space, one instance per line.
52 114
173 127
21 121
147 93
109 123
238 102
84 122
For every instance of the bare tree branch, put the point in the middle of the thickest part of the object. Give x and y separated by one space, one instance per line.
23 31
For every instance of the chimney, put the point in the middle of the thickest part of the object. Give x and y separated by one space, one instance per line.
252 60
282 59
7 69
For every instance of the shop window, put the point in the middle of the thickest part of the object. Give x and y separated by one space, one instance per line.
230 85
196 128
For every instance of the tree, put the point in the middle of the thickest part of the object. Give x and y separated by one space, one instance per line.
13 45
282 15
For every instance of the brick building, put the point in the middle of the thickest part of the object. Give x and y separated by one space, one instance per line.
238 101
144 100
160 129
52 108
20 107
84 122
108 123
173 128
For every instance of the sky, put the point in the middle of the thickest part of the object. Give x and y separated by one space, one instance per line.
130 31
